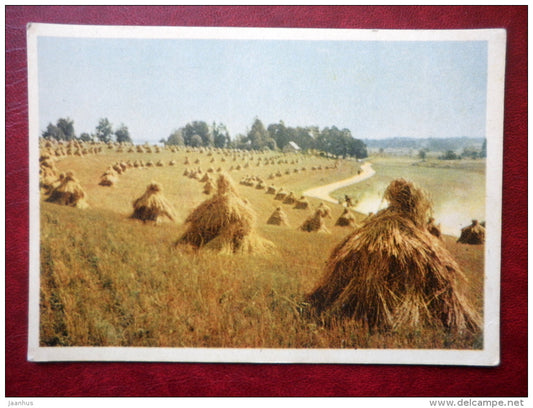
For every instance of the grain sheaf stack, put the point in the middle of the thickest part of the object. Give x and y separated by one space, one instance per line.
47 173
474 234
209 186
302 203
278 217
69 192
109 178
347 219
316 223
391 273
433 228
152 205
224 223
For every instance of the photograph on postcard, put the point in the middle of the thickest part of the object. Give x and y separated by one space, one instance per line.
265 195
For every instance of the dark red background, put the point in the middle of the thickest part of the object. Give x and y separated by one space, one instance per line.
166 379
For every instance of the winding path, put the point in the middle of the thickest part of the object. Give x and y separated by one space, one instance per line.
323 192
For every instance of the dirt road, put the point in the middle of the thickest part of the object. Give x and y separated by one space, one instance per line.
323 192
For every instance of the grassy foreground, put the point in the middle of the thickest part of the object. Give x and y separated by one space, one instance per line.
107 280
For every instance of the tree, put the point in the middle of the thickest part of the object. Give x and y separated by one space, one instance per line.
63 130
104 130
221 137
338 142
85 137
449 155
270 143
333 140
483 152
322 141
200 129
471 152
239 142
175 138
67 127
304 136
195 141
258 135
122 134
357 148
280 134
53 132
422 154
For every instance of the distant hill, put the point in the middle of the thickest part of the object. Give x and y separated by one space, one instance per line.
432 144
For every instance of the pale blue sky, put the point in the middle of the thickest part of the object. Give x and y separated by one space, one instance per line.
375 89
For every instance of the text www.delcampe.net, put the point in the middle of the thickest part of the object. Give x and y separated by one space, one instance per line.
492 403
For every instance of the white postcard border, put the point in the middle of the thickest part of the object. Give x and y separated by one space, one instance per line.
488 356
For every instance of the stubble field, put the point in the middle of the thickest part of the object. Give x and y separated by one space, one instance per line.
108 280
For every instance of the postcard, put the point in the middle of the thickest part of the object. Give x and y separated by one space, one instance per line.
265 195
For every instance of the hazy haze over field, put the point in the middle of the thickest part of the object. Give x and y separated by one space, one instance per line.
375 89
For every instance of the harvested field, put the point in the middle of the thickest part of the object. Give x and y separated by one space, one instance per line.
108 280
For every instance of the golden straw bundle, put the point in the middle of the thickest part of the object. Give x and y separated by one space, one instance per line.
69 192
392 273
474 234
224 223
152 205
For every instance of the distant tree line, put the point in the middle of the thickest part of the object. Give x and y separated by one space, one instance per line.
197 134
339 142
332 140
64 130
468 152
430 144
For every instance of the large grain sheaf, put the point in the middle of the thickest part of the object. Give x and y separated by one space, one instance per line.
392 273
